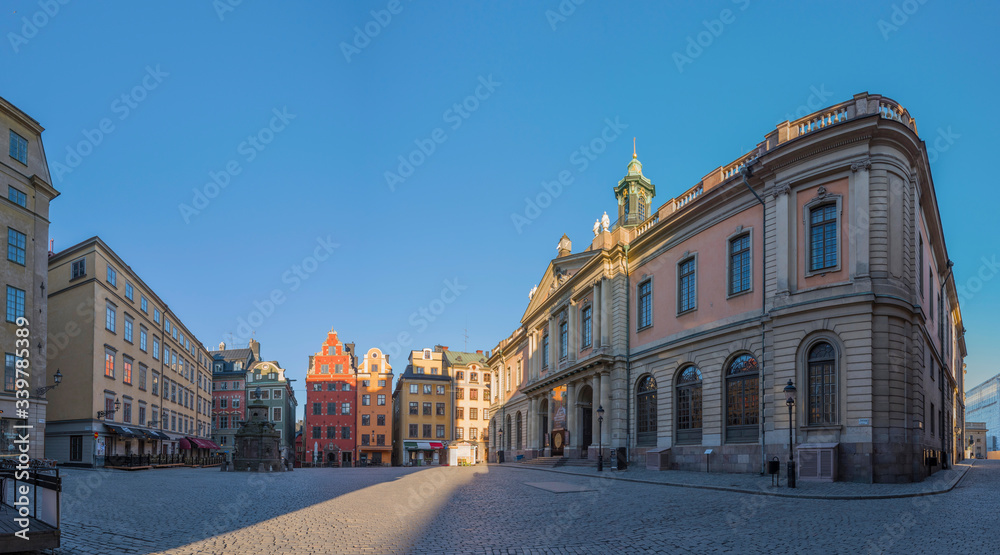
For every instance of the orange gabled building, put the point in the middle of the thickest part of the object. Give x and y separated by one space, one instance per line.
375 408
330 434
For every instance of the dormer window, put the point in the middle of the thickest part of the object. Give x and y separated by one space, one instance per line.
427 354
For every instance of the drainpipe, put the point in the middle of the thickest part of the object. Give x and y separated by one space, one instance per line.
628 363
747 171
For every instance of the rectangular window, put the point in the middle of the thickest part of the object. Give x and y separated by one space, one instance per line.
920 266
331 432
331 407
365 383
127 411
823 237
739 264
427 389
15 303
459 433
129 291
440 409
460 413
109 317
440 390
156 384
588 326
109 363
545 351
345 432
426 430
127 370
414 389
381 400
236 403
366 400
413 430
381 383
563 339
686 295
78 268
156 315
338 368
112 276
414 408
276 394
345 408
9 372
316 432
473 394
473 413
331 386
128 328
440 430
223 403
365 439
472 433
16 196
143 335
460 393
144 305
276 414
16 242
380 419
76 448
645 309
156 348
486 395
142 416
317 409
427 409
18 148
932 418
366 420
142 377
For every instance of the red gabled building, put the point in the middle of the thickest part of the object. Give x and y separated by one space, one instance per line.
330 432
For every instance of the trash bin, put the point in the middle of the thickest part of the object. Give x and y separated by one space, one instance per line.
500 456
622 458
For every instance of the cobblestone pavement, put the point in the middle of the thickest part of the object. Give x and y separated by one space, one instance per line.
492 510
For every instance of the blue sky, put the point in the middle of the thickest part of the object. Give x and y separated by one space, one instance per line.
200 81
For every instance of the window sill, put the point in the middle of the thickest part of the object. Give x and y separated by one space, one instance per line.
688 311
740 294
822 271
821 427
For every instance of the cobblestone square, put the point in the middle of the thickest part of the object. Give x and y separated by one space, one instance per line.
491 509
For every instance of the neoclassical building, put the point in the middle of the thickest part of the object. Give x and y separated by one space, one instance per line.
818 258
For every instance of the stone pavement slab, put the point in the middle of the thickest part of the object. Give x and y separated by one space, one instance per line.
559 487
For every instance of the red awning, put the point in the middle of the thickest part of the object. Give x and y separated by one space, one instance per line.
184 443
213 444
435 445
201 443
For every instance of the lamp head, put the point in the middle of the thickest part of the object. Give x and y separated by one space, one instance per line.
57 377
600 411
789 393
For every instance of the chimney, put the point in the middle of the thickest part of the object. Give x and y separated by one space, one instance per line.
440 348
222 345
565 246
255 348
479 352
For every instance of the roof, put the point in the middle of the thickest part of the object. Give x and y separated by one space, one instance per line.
409 374
231 354
459 358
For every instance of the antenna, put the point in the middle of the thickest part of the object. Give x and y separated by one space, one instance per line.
466 348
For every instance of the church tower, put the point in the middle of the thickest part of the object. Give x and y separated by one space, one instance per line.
635 194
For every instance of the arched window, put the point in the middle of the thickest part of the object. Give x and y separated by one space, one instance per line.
689 405
742 395
822 380
517 425
508 434
645 402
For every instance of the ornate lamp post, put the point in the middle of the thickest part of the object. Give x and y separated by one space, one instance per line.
104 413
500 447
600 438
58 380
790 401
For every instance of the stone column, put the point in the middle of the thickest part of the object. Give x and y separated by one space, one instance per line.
531 356
595 384
605 312
571 416
551 414
532 423
859 218
595 317
784 271
606 403
554 346
573 316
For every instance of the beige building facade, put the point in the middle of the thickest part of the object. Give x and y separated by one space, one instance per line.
471 376
422 407
24 215
816 259
136 380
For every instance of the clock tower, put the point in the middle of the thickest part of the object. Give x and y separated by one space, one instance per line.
635 194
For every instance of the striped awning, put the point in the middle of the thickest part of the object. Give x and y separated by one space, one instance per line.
422 445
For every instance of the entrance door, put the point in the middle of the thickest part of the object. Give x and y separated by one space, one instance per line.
587 437
558 442
346 458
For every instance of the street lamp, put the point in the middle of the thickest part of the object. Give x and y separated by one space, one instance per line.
500 447
600 439
104 413
790 401
58 380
